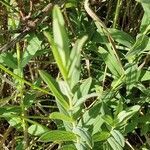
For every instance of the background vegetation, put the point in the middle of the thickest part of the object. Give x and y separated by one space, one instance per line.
75 76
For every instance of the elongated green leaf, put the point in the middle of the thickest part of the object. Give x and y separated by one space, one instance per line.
112 63
8 59
108 119
58 135
53 86
60 116
118 137
33 46
144 75
131 75
15 122
10 111
82 90
73 65
57 55
122 37
146 17
138 47
84 135
37 129
91 121
101 136
113 143
65 89
125 115
60 36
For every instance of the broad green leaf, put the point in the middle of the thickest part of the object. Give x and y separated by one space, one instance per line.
11 114
81 146
119 106
125 115
65 89
37 129
58 135
132 125
131 75
147 48
146 17
71 3
92 122
101 136
82 90
15 122
108 119
34 44
10 111
73 65
118 137
99 38
106 146
60 35
9 59
139 46
144 75
53 86
112 63
122 37
114 144
60 116
84 135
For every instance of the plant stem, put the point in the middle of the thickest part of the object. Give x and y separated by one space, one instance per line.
119 2
24 81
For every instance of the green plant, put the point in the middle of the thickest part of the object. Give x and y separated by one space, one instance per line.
94 110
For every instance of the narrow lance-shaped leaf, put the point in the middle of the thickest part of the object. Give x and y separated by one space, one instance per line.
131 75
37 129
52 84
122 37
114 144
73 65
125 115
57 55
118 137
146 17
101 136
60 35
84 135
33 46
58 135
138 47
111 62
60 116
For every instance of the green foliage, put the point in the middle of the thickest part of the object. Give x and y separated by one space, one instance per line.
76 83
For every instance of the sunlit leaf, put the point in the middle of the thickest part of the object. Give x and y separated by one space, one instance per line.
37 129
58 135
53 86
60 116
